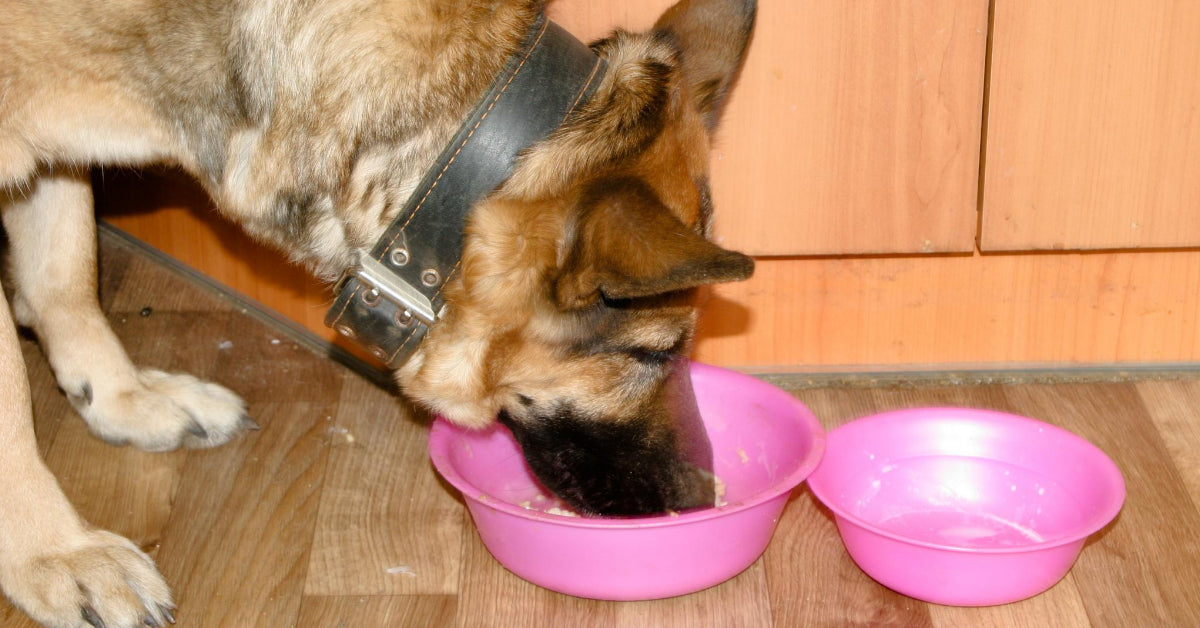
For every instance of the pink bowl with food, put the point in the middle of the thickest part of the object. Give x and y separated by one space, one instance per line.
965 507
764 441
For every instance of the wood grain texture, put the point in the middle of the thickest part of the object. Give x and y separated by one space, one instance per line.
240 554
854 126
858 313
432 611
489 591
1060 607
249 533
1093 139
741 602
1176 422
813 581
1158 583
382 505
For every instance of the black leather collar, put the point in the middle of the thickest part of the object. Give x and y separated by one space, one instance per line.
390 299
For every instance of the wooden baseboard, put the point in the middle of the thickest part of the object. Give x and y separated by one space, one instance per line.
989 311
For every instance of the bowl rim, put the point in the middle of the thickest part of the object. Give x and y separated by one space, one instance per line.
1108 472
441 432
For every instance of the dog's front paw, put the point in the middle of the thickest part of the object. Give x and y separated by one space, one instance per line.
100 580
161 411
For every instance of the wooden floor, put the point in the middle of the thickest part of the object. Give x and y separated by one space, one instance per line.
332 516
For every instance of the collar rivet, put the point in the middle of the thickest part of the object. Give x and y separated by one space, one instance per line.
430 277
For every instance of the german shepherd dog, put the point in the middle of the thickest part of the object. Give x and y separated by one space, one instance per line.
310 122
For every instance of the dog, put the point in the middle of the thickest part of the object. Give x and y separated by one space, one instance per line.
568 314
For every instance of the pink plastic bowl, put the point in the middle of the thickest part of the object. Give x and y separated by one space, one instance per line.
965 507
764 441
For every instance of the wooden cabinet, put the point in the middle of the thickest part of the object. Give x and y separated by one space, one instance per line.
854 128
862 120
1094 125
849 162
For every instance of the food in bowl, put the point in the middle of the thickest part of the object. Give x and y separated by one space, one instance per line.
555 506
765 443
965 507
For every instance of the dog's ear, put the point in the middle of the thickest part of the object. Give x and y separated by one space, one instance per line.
625 244
712 37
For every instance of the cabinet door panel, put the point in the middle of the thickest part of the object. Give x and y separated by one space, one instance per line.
854 127
1093 126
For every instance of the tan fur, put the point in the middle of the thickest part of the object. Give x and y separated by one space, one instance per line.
310 123
518 238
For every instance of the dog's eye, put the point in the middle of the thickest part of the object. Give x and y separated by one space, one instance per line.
651 357
659 355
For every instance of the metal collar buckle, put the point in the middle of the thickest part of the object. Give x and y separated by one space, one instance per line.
380 282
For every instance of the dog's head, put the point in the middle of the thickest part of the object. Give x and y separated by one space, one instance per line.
576 303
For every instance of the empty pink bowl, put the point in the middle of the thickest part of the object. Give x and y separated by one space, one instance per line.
965 507
764 442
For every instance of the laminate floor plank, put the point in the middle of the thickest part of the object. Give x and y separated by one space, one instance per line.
812 581
236 548
386 525
241 515
1173 408
1061 606
1144 568
743 601
424 611
491 594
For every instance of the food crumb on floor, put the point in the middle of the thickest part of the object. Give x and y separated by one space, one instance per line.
402 570
341 431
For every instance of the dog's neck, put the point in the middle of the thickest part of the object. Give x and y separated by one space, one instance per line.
315 153
390 298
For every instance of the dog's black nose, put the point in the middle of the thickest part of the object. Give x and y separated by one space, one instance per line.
651 462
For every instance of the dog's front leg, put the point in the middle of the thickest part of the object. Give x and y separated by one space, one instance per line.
52 233
52 565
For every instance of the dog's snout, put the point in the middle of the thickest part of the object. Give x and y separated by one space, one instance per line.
656 461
